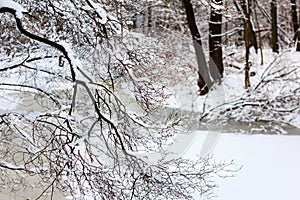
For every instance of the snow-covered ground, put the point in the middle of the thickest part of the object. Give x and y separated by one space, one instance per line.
270 163
270 166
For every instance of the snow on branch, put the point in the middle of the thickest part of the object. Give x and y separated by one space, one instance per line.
13 10
99 9
6 165
17 8
216 6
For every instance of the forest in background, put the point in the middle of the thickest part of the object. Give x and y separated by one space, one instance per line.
70 60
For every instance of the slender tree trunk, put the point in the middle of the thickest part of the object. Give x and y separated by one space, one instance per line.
204 81
274 39
298 42
249 36
298 35
296 24
259 35
215 41
149 19
247 9
294 16
226 27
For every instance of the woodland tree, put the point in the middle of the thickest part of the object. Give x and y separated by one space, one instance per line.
215 40
296 22
274 38
245 8
204 81
80 139
294 16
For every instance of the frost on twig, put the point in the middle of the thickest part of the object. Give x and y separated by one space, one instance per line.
69 131
17 8
274 98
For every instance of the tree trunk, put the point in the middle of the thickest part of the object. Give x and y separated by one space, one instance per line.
215 41
298 41
248 26
294 16
148 16
204 81
249 36
274 39
298 36
296 22
259 35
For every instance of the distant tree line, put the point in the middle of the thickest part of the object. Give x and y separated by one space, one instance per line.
253 23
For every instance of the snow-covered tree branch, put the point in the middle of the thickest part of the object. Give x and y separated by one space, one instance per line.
65 129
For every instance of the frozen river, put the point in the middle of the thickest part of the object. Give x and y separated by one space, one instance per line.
270 162
270 170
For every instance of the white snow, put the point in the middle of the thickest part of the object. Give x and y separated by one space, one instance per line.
216 6
71 53
270 162
100 10
102 14
9 165
270 166
13 5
